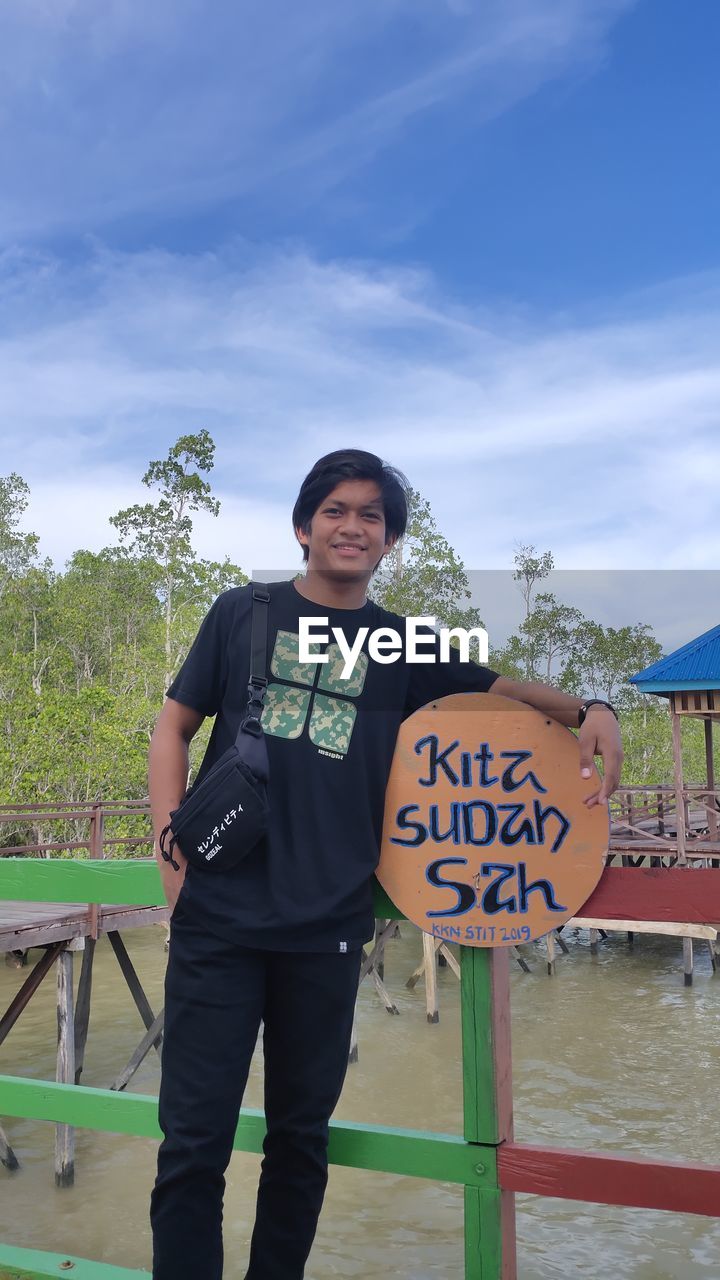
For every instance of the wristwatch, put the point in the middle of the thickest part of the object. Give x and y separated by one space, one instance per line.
594 702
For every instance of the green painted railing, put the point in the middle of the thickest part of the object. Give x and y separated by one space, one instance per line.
470 1160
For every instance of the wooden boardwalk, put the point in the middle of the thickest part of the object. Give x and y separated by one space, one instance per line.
59 930
39 924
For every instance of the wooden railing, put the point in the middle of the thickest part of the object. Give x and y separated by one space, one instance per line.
484 1160
637 810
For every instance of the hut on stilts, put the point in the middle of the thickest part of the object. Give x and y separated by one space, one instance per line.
690 679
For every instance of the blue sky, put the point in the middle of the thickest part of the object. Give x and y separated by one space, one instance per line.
479 237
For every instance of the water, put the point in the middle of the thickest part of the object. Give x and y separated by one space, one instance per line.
613 1053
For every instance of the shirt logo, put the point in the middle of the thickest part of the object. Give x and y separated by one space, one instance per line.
313 695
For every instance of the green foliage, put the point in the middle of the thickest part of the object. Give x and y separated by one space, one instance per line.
555 643
17 550
606 657
549 634
647 743
161 531
159 536
544 645
530 569
86 655
423 576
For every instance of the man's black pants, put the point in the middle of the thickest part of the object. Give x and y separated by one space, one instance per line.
217 994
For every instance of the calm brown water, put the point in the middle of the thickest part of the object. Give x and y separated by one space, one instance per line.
612 1053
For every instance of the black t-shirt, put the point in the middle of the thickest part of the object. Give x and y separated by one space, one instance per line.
308 885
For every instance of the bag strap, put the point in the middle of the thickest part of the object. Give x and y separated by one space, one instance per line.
251 721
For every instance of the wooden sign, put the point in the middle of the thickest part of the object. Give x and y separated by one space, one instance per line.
486 839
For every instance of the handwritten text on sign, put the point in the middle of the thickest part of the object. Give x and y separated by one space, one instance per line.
487 840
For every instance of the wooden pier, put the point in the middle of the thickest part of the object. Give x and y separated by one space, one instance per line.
60 930
486 1160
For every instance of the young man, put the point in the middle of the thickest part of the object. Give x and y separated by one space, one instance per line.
277 940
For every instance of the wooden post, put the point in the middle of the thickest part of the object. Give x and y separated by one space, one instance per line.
445 954
7 1155
140 1053
28 988
487 1104
712 814
367 966
134 983
96 851
679 795
551 949
64 1133
82 1009
379 942
688 961
431 995
354 1052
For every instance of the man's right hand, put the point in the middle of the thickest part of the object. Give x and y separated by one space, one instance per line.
167 782
172 880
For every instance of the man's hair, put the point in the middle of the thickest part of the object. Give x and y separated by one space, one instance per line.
353 464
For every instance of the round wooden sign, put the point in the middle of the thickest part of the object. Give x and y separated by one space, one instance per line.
486 838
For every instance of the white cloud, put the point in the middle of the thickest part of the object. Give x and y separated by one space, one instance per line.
598 440
115 109
74 513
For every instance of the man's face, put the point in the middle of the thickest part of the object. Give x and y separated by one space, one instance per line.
347 534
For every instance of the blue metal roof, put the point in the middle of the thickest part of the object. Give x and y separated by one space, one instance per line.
695 666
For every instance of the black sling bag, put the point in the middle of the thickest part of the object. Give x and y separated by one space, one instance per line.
222 818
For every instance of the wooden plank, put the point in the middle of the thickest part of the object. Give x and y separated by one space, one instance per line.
685 895
487 1062
96 851
710 768
688 960
489 1235
679 800
645 926
135 986
151 1037
600 1178
450 960
353 1053
19 914
490 1252
31 1264
123 918
369 961
125 882
45 936
7 1155
82 1009
702 847
551 950
382 991
680 894
430 971
437 1156
28 989
64 1133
